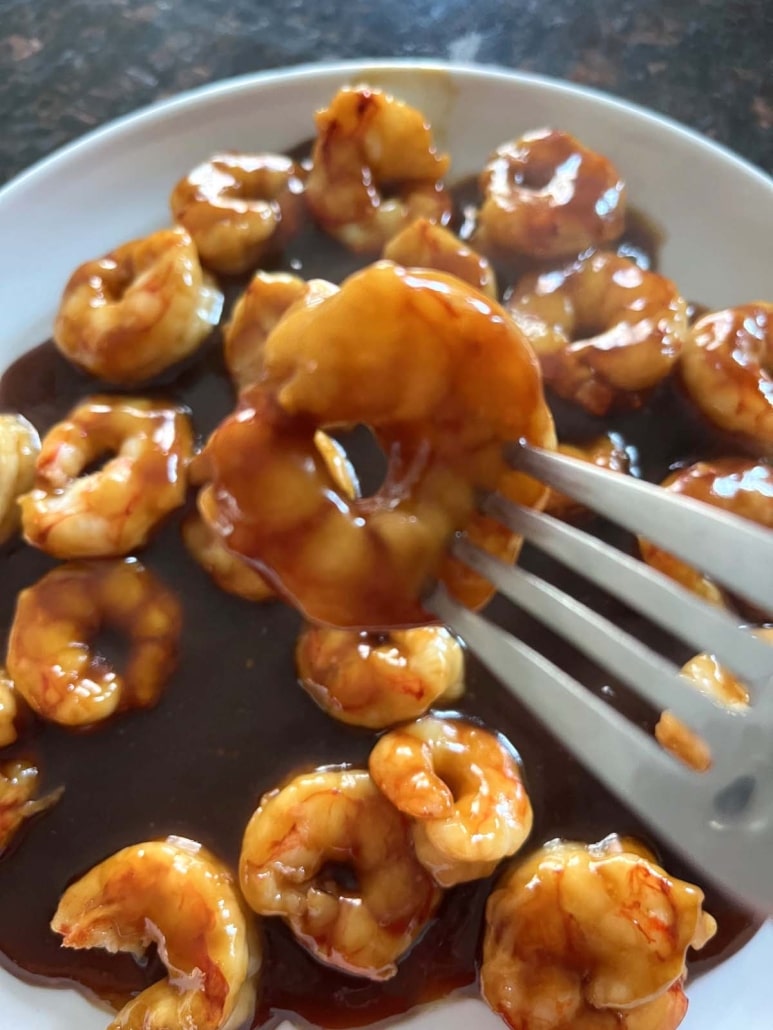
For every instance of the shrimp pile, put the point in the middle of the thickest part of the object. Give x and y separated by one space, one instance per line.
238 208
19 446
18 784
50 657
424 244
594 937
178 896
292 842
461 787
377 680
607 452
131 314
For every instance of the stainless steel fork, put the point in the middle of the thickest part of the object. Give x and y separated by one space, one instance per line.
720 820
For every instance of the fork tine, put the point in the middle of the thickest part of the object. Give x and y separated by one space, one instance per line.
651 675
699 624
736 552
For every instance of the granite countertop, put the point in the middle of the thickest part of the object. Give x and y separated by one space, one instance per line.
67 66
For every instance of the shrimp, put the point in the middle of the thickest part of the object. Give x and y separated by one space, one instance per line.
131 314
424 244
549 196
110 512
461 787
705 673
9 709
49 655
19 447
727 367
741 486
374 680
267 298
595 937
605 330
444 378
291 846
240 208
369 142
607 452
18 784
176 895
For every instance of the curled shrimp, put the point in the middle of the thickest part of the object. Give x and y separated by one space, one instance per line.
238 208
605 330
338 817
741 486
178 896
131 314
444 379
110 512
461 787
595 937
19 447
267 298
607 452
50 657
9 709
549 196
727 367
368 141
18 785
376 680
425 244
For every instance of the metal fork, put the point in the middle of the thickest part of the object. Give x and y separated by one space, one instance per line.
720 820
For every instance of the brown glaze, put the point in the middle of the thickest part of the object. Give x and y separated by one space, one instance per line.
232 722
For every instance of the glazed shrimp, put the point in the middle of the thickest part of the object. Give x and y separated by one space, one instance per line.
444 378
376 680
461 787
741 486
50 658
424 244
337 816
9 709
549 196
605 330
19 447
110 512
608 452
267 298
593 937
18 784
131 314
178 896
368 141
239 208
727 367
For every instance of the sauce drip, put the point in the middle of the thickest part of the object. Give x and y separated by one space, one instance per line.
232 722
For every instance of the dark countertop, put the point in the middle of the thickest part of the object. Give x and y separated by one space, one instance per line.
67 66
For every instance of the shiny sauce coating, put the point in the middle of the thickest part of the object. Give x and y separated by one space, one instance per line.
233 722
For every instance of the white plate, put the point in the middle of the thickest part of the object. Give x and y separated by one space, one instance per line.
113 185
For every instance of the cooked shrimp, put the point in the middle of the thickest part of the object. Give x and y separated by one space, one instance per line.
19 447
461 787
727 367
424 244
18 784
141 308
593 937
9 709
549 196
338 817
738 485
444 378
605 330
50 658
367 143
376 680
239 208
706 674
267 298
110 512
607 452
178 896
230 571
